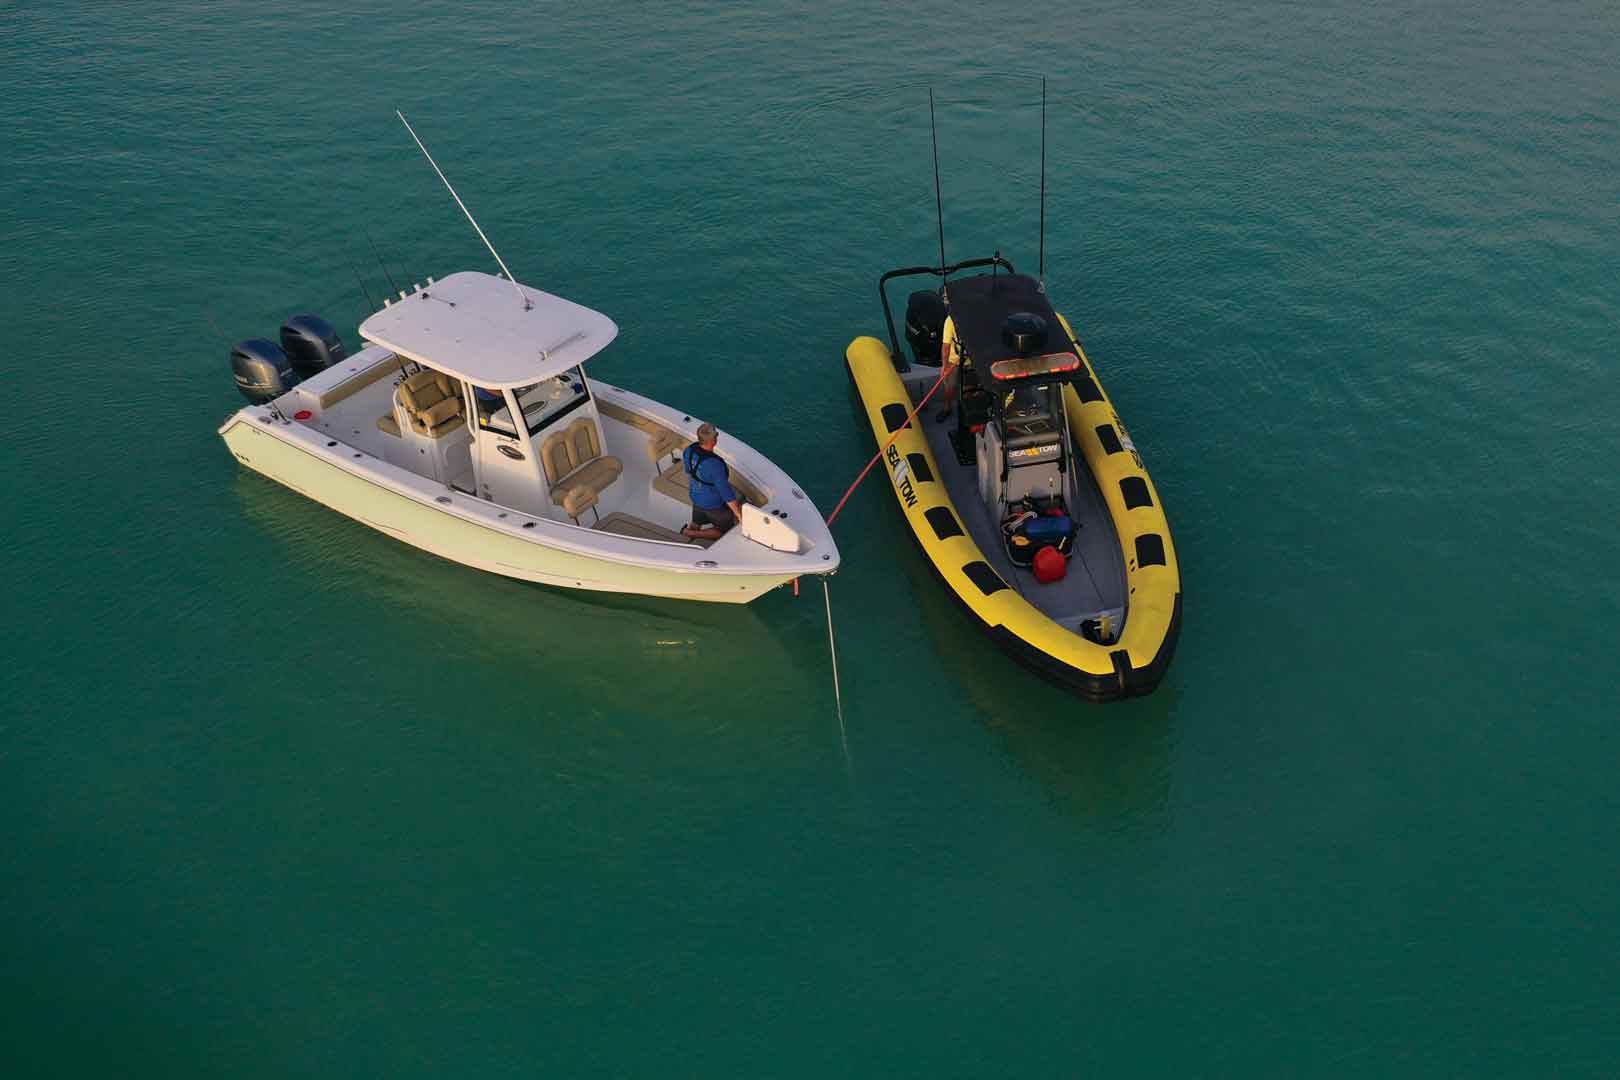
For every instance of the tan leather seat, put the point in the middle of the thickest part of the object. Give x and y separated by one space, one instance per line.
661 439
433 403
663 443
388 425
574 461
357 380
595 474
555 457
673 482
577 501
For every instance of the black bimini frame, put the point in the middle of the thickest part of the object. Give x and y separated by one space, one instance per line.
897 357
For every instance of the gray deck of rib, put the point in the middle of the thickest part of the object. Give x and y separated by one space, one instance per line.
1095 581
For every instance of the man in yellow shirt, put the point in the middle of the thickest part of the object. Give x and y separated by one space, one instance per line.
951 357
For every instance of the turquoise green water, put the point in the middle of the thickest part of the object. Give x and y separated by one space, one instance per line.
283 797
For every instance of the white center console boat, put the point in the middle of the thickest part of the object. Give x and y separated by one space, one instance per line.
467 427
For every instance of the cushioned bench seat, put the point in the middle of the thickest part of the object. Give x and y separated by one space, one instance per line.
662 440
673 482
595 474
576 468
665 442
357 381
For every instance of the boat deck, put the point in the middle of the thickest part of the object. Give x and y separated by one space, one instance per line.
1095 582
648 501
629 525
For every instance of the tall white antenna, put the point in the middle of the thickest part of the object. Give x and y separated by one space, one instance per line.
527 303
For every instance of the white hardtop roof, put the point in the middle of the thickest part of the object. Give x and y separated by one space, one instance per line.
473 326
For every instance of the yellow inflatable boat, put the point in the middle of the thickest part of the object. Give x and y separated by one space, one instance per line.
1025 494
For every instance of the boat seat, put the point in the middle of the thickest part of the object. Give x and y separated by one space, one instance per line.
664 443
662 440
388 425
574 461
433 402
673 482
578 500
357 381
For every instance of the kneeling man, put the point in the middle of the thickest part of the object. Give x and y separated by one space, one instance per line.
715 503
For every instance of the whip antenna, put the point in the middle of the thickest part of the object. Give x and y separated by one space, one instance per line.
1043 185
939 203
527 303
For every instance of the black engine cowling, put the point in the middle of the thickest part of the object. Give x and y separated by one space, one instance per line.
311 344
925 326
262 370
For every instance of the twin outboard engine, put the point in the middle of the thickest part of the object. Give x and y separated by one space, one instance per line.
311 344
925 326
264 370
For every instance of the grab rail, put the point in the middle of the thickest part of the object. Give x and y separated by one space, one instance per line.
895 356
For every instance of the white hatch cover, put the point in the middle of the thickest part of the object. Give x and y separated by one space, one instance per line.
774 533
473 326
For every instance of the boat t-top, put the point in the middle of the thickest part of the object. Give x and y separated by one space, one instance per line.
466 426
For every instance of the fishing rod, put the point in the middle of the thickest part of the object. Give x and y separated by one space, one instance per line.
392 284
371 305
360 281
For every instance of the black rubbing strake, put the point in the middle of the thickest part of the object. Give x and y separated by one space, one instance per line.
943 521
1135 490
1150 550
985 578
894 415
919 468
1109 438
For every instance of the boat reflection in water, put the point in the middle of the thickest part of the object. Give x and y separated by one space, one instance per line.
484 653
1103 766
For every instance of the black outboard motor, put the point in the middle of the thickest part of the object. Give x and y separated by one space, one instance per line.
925 326
1024 332
311 344
262 370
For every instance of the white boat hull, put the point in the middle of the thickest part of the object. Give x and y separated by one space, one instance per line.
486 537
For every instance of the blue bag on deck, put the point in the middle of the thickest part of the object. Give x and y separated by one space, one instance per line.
1048 530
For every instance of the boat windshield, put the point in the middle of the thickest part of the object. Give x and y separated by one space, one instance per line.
492 411
541 402
545 401
1028 410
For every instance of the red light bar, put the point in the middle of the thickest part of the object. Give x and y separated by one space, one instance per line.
1022 367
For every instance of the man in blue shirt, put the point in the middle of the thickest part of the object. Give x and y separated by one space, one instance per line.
715 503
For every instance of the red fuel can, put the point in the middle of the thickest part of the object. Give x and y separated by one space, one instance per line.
1050 565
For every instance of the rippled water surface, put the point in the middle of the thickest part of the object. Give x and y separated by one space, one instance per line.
284 797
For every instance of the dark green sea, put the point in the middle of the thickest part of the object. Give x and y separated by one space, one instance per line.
283 797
